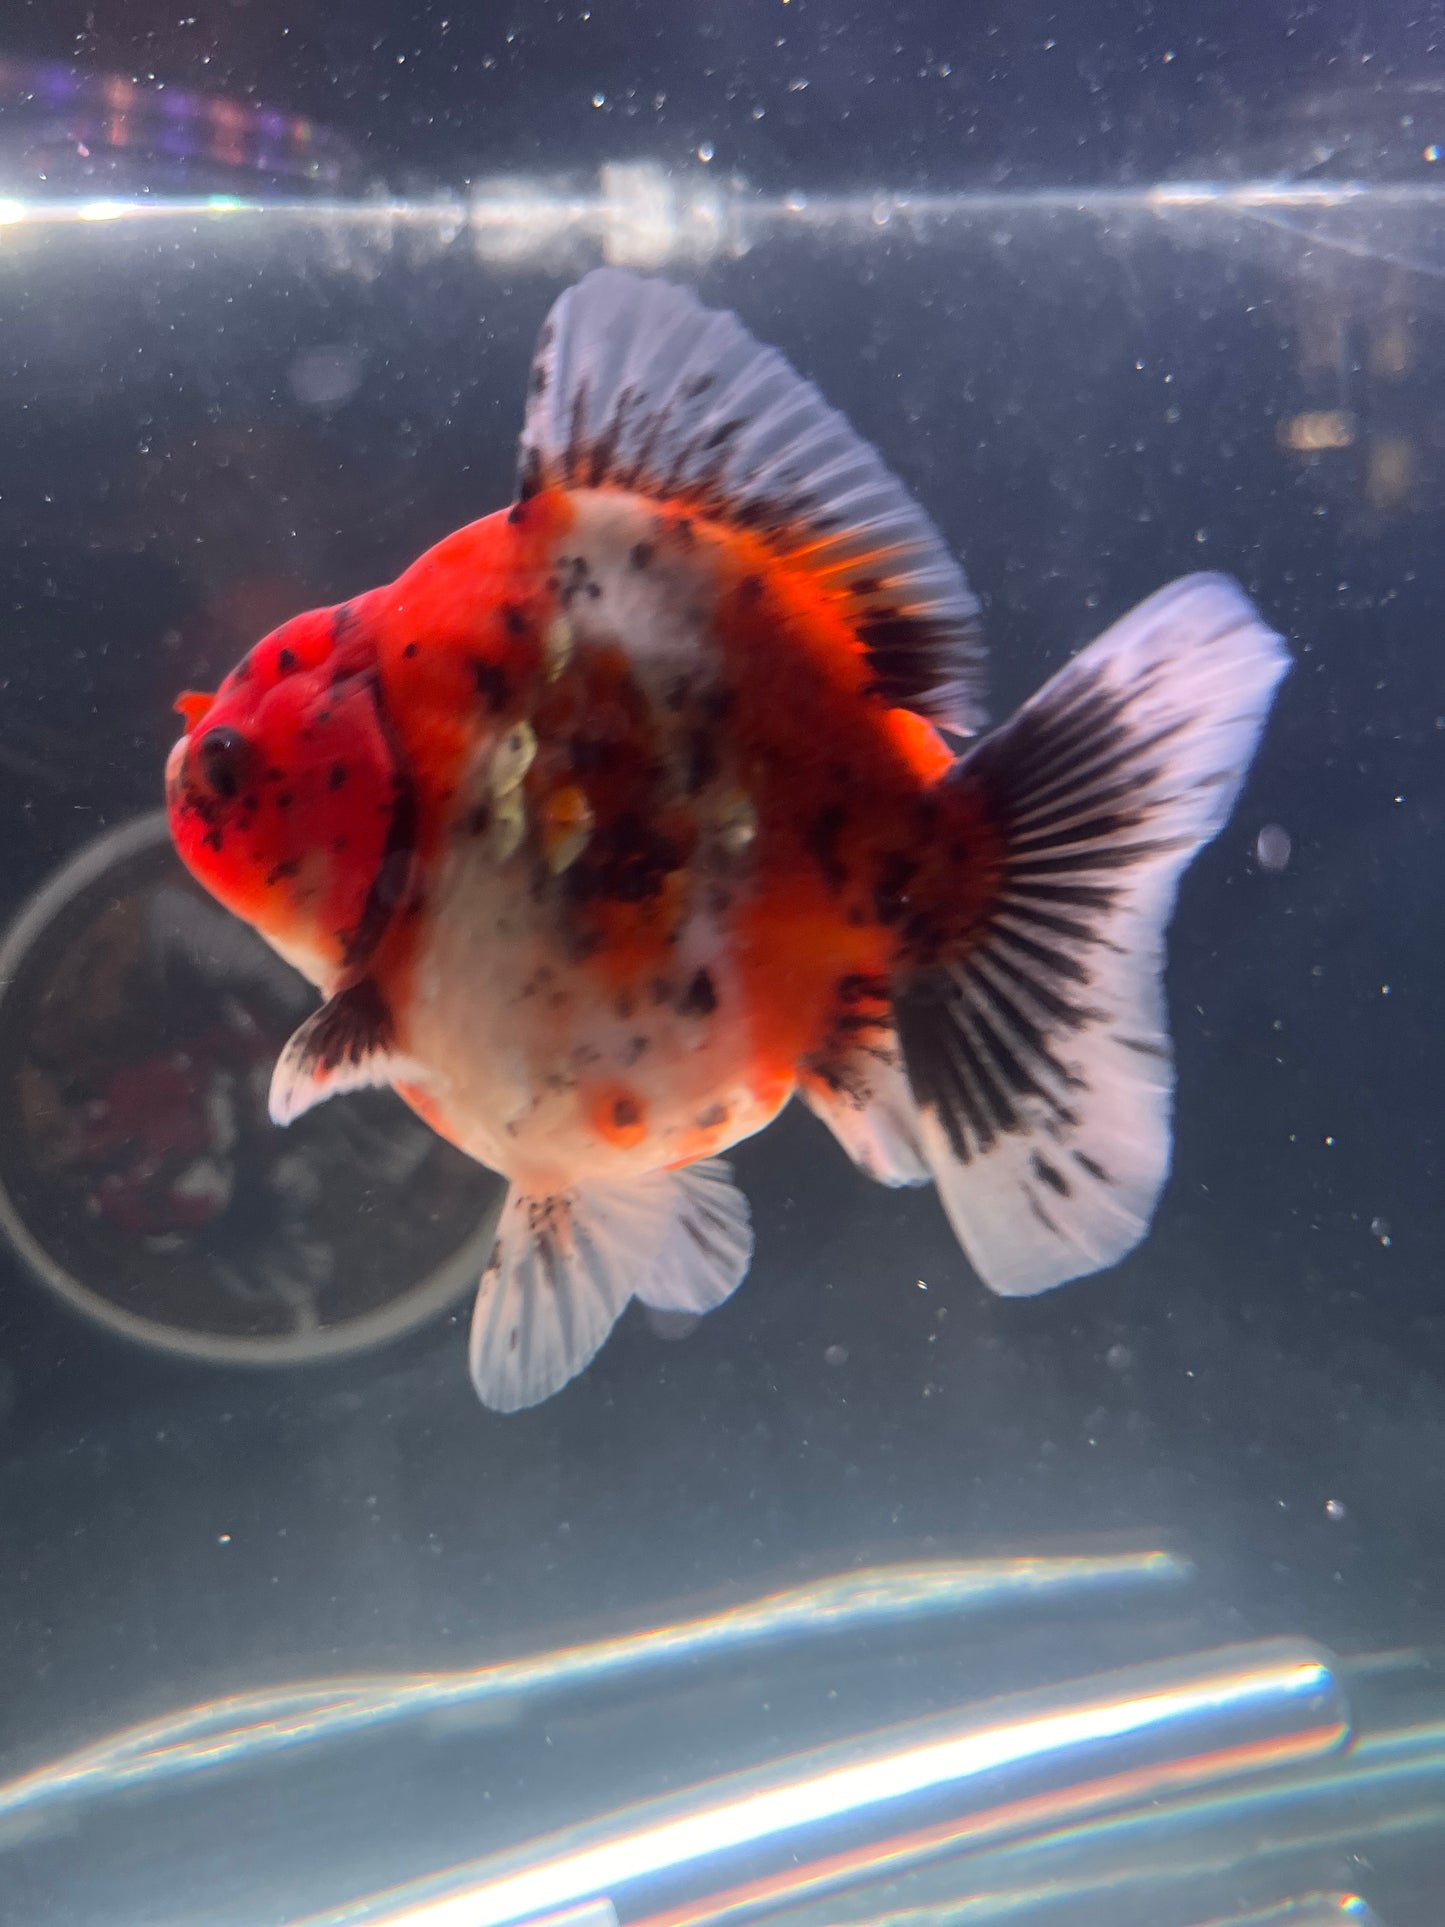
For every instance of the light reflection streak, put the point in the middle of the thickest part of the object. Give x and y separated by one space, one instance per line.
1027 1818
1066 1855
642 213
1308 1910
243 1727
1240 1710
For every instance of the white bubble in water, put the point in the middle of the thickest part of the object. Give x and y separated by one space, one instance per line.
1334 1509
836 1355
1272 847
1380 1228
326 377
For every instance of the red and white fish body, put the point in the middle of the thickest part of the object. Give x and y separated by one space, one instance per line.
624 814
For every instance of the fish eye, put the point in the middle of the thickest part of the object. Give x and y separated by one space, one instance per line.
224 758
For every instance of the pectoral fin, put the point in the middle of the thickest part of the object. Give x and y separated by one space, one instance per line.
346 1045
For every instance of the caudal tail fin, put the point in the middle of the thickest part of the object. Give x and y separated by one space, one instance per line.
1039 1055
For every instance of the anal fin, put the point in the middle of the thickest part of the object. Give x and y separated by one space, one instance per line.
346 1045
565 1265
864 1099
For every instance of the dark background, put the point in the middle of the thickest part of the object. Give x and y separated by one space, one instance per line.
791 92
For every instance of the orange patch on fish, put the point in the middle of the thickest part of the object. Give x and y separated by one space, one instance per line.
617 1114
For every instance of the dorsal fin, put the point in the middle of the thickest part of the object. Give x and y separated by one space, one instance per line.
635 385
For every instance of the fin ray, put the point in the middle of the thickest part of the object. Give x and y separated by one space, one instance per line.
1039 1056
565 1265
635 385
856 1085
345 1045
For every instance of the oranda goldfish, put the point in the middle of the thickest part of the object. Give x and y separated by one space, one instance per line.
635 808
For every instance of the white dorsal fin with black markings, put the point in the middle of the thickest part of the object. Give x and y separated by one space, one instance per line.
636 386
564 1267
346 1045
1039 1055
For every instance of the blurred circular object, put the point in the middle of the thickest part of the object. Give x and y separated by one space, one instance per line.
324 378
1272 848
141 1178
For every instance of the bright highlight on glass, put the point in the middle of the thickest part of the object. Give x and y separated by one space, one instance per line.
1240 1710
248 1726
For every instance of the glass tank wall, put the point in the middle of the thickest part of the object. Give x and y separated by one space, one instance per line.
873 1594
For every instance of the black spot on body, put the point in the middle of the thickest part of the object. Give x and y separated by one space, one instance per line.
714 1115
589 754
627 861
493 683
700 997
285 661
821 842
409 650
516 623
284 799
574 574
516 514
699 762
857 989
280 871
337 776
890 891
479 819
636 1047
625 1113
640 555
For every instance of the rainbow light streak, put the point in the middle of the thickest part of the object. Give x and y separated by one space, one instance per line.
1308 1910
248 1726
1083 1808
1383 1786
1250 1701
